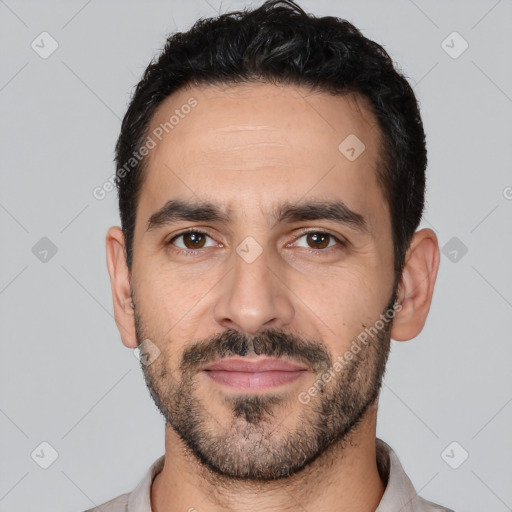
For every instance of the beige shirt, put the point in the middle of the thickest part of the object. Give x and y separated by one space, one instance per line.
399 495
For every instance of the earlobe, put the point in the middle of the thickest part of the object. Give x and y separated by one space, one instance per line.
416 285
121 286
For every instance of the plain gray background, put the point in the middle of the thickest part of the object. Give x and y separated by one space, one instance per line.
67 380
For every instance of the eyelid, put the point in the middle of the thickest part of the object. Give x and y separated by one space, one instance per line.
338 238
186 232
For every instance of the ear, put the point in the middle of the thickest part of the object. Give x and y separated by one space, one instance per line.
416 285
121 286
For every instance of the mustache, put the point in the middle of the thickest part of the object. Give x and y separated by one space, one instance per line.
270 343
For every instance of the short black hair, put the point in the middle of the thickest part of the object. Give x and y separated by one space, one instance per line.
279 43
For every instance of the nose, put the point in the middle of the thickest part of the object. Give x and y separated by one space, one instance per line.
253 297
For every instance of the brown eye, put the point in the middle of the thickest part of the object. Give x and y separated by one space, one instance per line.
318 240
190 240
194 240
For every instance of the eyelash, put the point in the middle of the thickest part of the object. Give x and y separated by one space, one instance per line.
315 252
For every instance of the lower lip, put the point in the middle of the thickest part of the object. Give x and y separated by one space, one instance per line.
254 380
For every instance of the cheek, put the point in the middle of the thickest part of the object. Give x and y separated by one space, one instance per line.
341 304
171 298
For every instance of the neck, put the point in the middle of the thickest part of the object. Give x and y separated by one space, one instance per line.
344 478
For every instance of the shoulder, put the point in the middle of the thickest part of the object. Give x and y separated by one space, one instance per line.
118 504
424 505
400 493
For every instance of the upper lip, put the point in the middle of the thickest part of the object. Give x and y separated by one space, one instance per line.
255 365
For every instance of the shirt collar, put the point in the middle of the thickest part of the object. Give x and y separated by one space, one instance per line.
140 498
399 495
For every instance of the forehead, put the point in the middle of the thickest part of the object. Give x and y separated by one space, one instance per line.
262 144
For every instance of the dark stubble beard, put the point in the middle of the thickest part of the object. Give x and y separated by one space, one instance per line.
246 443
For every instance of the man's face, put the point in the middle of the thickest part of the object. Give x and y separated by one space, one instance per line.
274 278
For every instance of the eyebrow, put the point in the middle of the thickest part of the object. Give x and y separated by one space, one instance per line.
176 210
